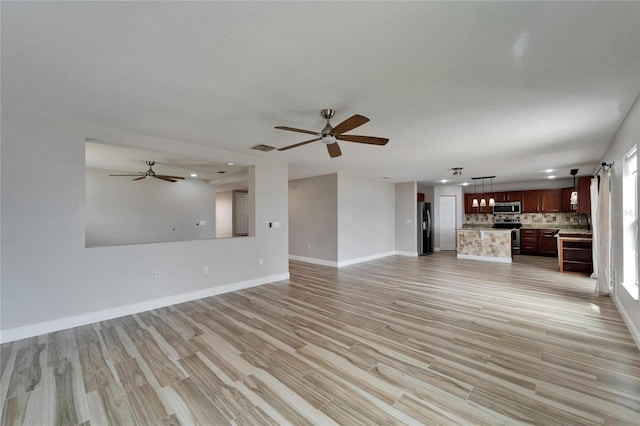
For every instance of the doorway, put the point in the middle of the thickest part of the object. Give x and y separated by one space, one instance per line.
447 222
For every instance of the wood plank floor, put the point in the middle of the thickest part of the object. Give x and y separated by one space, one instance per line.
400 340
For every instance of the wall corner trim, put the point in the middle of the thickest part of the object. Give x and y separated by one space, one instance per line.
37 329
635 333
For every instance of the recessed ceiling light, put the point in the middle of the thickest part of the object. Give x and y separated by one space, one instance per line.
551 177
230 164
194 175
385 177
465 183
548 170
444 181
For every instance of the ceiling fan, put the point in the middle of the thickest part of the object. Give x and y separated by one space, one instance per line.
329 135
151 173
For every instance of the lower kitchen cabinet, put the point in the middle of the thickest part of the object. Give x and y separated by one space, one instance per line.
548 243
541 242
529 241
575 255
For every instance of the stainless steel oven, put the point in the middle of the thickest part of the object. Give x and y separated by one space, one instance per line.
514 224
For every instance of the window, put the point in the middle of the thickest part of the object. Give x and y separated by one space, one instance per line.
630 222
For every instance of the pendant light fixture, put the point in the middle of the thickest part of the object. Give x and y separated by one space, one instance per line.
492 201
574 194
483 202
474 204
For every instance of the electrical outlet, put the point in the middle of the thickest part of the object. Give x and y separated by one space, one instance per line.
205 269
261 261
309 247
157 274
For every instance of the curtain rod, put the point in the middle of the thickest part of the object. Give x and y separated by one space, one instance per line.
604 166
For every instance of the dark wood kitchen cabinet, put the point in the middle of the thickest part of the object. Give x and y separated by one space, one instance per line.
420 197
547 242
529 241
505 197
531 201
539 242
551 200
584 194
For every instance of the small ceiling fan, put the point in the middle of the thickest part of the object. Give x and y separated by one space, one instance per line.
329 135
151 173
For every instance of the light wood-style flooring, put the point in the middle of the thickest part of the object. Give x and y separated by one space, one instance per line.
400 340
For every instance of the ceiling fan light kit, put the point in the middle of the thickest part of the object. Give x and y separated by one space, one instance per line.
329 135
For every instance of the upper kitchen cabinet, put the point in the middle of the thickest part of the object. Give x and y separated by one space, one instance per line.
502 197
531 201
420 197
584 194
551 200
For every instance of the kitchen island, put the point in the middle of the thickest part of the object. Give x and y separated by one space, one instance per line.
486 244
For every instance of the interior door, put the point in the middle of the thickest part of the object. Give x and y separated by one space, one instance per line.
447 222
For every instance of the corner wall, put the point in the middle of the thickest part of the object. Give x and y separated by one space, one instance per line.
627 135
366 217
406 218
50 281
313 219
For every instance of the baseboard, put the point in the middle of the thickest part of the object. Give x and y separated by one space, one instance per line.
32 330
344 262
485 258
635 333
314 261
365 258
406 253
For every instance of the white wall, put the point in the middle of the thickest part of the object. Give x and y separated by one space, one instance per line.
438 190
406 227
366 218
51 281
313 218
119 211
224 214
427 190
628 134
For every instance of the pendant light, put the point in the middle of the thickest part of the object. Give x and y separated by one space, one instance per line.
492 201
474 204
574 194
483 202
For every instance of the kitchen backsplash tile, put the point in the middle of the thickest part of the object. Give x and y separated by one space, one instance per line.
528 219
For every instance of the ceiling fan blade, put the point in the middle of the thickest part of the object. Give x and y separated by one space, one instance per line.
130 175
141 177
334 150
350 124
298 144
170 177
165 178
371 140
293 129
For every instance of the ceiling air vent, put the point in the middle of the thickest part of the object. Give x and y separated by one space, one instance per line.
263 148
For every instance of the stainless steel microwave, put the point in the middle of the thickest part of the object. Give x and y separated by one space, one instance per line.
513 207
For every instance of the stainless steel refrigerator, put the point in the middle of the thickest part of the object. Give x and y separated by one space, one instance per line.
425 229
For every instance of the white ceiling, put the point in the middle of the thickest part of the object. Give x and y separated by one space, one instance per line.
499 88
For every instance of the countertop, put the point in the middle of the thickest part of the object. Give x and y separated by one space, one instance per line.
485 229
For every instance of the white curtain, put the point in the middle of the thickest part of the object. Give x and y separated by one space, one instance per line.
594 224
603 283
